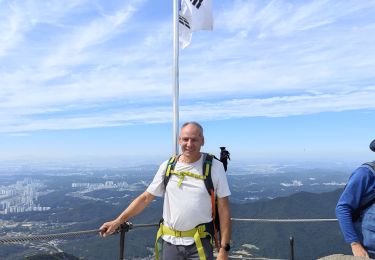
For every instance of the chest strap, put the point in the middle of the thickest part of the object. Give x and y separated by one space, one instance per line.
183 174
197 233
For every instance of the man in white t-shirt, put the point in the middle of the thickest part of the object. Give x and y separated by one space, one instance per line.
187 203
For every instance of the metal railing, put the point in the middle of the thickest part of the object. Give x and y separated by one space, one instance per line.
125 227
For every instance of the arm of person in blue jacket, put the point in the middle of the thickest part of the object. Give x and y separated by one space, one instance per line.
359 185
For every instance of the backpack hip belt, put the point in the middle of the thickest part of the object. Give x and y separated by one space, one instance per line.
201 231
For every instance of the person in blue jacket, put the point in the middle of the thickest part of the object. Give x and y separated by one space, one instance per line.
355 210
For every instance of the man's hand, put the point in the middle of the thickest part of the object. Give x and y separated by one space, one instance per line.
109 228
358 250
136 207
222 255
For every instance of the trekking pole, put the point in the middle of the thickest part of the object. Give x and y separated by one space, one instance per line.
123 229
291 242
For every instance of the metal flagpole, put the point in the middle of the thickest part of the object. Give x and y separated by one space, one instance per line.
175 77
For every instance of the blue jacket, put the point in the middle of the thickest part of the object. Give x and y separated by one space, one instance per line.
359 190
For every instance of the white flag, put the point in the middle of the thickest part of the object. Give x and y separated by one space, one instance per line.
194 15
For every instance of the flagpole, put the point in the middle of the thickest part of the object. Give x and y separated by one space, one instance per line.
175 77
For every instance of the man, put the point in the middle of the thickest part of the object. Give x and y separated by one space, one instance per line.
355 210
187 203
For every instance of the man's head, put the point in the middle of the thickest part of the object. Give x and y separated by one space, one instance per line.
191 140
372 145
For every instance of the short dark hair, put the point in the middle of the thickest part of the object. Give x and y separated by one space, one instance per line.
372 145
193 123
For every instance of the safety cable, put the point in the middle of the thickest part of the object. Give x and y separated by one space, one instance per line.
128 226
284 220
125 227
46 237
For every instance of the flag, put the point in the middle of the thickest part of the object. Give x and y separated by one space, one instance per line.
194 15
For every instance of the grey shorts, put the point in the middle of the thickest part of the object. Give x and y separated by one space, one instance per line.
173 252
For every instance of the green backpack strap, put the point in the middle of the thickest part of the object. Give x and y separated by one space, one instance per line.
170 167
206 167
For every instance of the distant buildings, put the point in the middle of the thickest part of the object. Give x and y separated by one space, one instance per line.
98 186
21 197
19 209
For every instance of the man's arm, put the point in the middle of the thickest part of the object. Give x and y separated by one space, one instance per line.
136 207
358 188
225 226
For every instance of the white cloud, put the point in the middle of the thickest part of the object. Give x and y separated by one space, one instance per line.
281 17
72 66
17 18
25 120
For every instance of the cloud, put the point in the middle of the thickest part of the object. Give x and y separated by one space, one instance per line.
17 18
19 134
283 106
106 116
84 65
101 29
279 18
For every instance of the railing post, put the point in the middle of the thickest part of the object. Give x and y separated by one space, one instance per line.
122 244
291 242
123 229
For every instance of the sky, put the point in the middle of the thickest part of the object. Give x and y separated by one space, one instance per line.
275 80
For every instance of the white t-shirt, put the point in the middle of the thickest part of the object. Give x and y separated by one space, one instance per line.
189 205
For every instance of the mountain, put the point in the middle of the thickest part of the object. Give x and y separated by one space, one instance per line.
312 240
270 240
57 256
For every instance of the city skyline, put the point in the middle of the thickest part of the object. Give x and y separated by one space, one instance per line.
275 80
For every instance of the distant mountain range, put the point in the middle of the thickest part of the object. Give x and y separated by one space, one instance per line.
270 240
312 240
55 256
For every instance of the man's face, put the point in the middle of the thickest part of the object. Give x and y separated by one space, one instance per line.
191 140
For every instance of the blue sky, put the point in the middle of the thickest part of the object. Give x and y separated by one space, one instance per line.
279 79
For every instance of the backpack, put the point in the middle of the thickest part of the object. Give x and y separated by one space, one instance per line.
207 165
357 213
